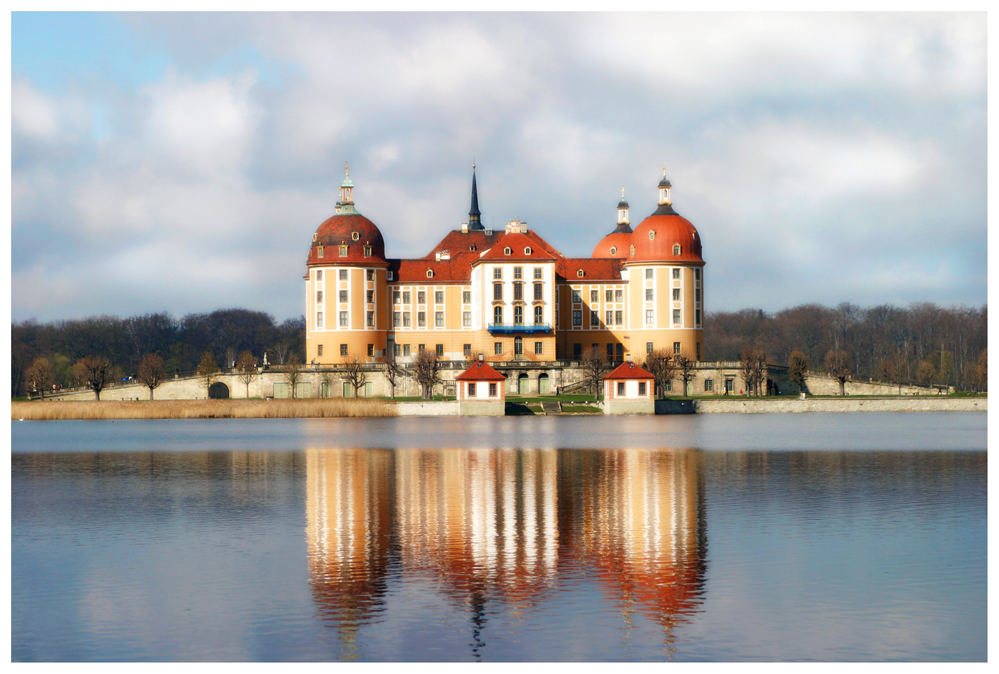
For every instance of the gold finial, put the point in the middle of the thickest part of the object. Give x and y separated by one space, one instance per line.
664 170
346 168
622 192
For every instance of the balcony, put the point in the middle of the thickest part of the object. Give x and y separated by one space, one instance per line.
523 328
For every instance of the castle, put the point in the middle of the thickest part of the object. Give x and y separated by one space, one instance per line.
506 294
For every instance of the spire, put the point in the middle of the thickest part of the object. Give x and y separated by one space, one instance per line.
474 217
345 201
665 200
623 218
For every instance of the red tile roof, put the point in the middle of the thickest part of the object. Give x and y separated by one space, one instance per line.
519 244
594 269
480 371
457 269
457 241
628 370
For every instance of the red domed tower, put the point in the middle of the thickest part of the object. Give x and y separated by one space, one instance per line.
345 286
616 243
666 281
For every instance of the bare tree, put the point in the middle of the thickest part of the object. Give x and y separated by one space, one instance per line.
207 369
753 365
686 368
293 372
39 375
926 373
663 368
246 369
280 351
393 370
797 369
426 372
151 372
94 372
355 375
593 369
837 364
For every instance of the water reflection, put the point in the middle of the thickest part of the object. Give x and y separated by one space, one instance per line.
504 527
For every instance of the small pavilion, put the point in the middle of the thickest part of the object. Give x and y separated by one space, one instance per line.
628 389
481 391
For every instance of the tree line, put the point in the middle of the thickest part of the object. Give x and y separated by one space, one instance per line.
919 344
78 352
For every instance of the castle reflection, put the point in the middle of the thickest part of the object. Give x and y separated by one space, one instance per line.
504 527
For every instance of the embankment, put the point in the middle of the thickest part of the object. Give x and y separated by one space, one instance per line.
793 405
200 409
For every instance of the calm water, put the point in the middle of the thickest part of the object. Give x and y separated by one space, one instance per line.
715 537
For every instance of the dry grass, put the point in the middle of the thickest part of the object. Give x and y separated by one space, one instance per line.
200 409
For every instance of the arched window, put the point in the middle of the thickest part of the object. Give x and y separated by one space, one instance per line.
539 315
527 250
580 273
631 251
508 251
676 249
498 315
430 273
518 346
652 234
613 250
518 315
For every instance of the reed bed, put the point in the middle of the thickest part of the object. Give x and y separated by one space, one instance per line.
200 409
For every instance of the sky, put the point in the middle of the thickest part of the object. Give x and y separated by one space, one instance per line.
180 162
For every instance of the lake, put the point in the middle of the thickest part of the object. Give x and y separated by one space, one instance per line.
815 537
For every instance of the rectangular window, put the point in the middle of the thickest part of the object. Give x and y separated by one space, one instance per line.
518 272
370 274
471 389
497 272
618 295
367 251
407 319
343 349
537 272
676 347
620 388
371 349
406 350
676 316
466 296
319 297
648 273
319 320
538 289
396 319
618 317
343 295
641 388
466 349
421 297
650 317
466 319
396 297
539 348
343 274
319 349
390 275
344 320
498 348
648 347
609 317
610 352
319 274
594 319
320 252
576 299
343 251
421 347
497 291
709 385
577 318
439 349
697 294
438 297
594 296
439 319
421 319
406 297
518 291
697 316
577 350
676 294
370 319
648 294
397 350
669 385
369 296
697 274
492 390
676 273
608 295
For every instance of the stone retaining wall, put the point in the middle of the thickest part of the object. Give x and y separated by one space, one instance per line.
771 406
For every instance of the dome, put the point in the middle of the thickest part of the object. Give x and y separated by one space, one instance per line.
657 237
363 240
614 244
